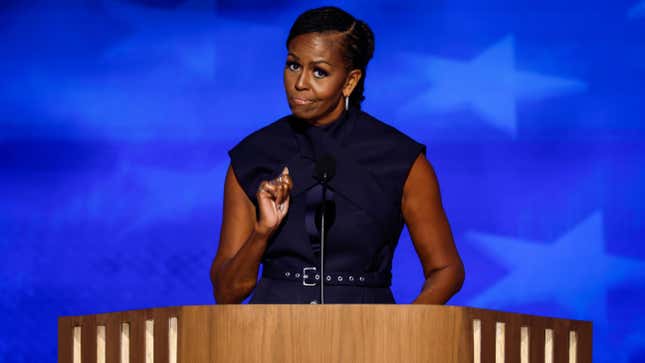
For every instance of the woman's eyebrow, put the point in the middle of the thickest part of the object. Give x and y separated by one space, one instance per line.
322 61
314 62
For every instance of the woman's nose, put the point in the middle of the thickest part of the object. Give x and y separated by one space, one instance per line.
302 82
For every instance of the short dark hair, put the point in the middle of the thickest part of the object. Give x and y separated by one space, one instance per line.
357 41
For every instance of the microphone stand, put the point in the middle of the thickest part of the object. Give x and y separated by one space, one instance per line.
324 172
322 238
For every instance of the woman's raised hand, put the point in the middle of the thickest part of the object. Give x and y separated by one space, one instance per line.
273 201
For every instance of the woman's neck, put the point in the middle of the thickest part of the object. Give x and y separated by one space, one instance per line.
336 114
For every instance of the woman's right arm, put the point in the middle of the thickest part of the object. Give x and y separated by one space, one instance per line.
243 238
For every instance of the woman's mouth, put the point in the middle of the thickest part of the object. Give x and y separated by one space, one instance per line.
301 101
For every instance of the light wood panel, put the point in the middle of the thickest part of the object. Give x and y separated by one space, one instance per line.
324 333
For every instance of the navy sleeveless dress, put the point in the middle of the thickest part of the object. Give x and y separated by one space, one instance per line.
373 160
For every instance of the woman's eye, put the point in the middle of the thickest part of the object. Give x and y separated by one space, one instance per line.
292 66
319 73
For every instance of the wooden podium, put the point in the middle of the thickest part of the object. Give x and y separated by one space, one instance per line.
321 333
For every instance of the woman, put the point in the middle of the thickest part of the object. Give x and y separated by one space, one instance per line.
382 180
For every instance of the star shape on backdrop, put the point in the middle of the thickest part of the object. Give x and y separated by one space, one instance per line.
536 270
139 194
156 82
183 33
637 10
574 271
490 84
633 342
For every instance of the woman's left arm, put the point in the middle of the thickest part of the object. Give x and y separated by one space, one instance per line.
426 220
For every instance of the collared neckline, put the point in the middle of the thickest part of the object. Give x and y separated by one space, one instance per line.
309 137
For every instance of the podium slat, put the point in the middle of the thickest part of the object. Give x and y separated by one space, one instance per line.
488 338
536 340
65 335
88 339
112 324
584 341
513 339
137 336
561 341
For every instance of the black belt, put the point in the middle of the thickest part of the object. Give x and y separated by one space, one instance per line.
310 276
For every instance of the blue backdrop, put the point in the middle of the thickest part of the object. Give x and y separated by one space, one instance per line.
115 119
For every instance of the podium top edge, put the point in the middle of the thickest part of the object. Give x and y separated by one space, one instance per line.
472 312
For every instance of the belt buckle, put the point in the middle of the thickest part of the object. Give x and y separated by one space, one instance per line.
305 276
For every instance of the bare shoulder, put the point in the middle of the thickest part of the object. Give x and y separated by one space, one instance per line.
238 216
421 180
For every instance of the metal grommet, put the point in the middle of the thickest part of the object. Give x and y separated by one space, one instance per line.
340 278
328 278
317 277
287 274
351 278
297 275
361 278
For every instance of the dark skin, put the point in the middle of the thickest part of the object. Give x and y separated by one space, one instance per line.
316 81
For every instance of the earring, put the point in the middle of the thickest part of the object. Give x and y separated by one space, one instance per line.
347 103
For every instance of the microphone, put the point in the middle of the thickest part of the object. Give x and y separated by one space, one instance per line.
325 168
324 171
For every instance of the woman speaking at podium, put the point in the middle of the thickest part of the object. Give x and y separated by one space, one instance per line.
329 183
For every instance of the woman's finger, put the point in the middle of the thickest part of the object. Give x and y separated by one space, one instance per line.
283 208
287 181
268 190
282 185
282 191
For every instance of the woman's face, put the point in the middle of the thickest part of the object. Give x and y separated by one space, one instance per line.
316 78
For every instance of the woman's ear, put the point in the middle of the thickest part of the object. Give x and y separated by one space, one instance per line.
352 80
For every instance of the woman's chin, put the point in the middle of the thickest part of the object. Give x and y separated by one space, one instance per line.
304 113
